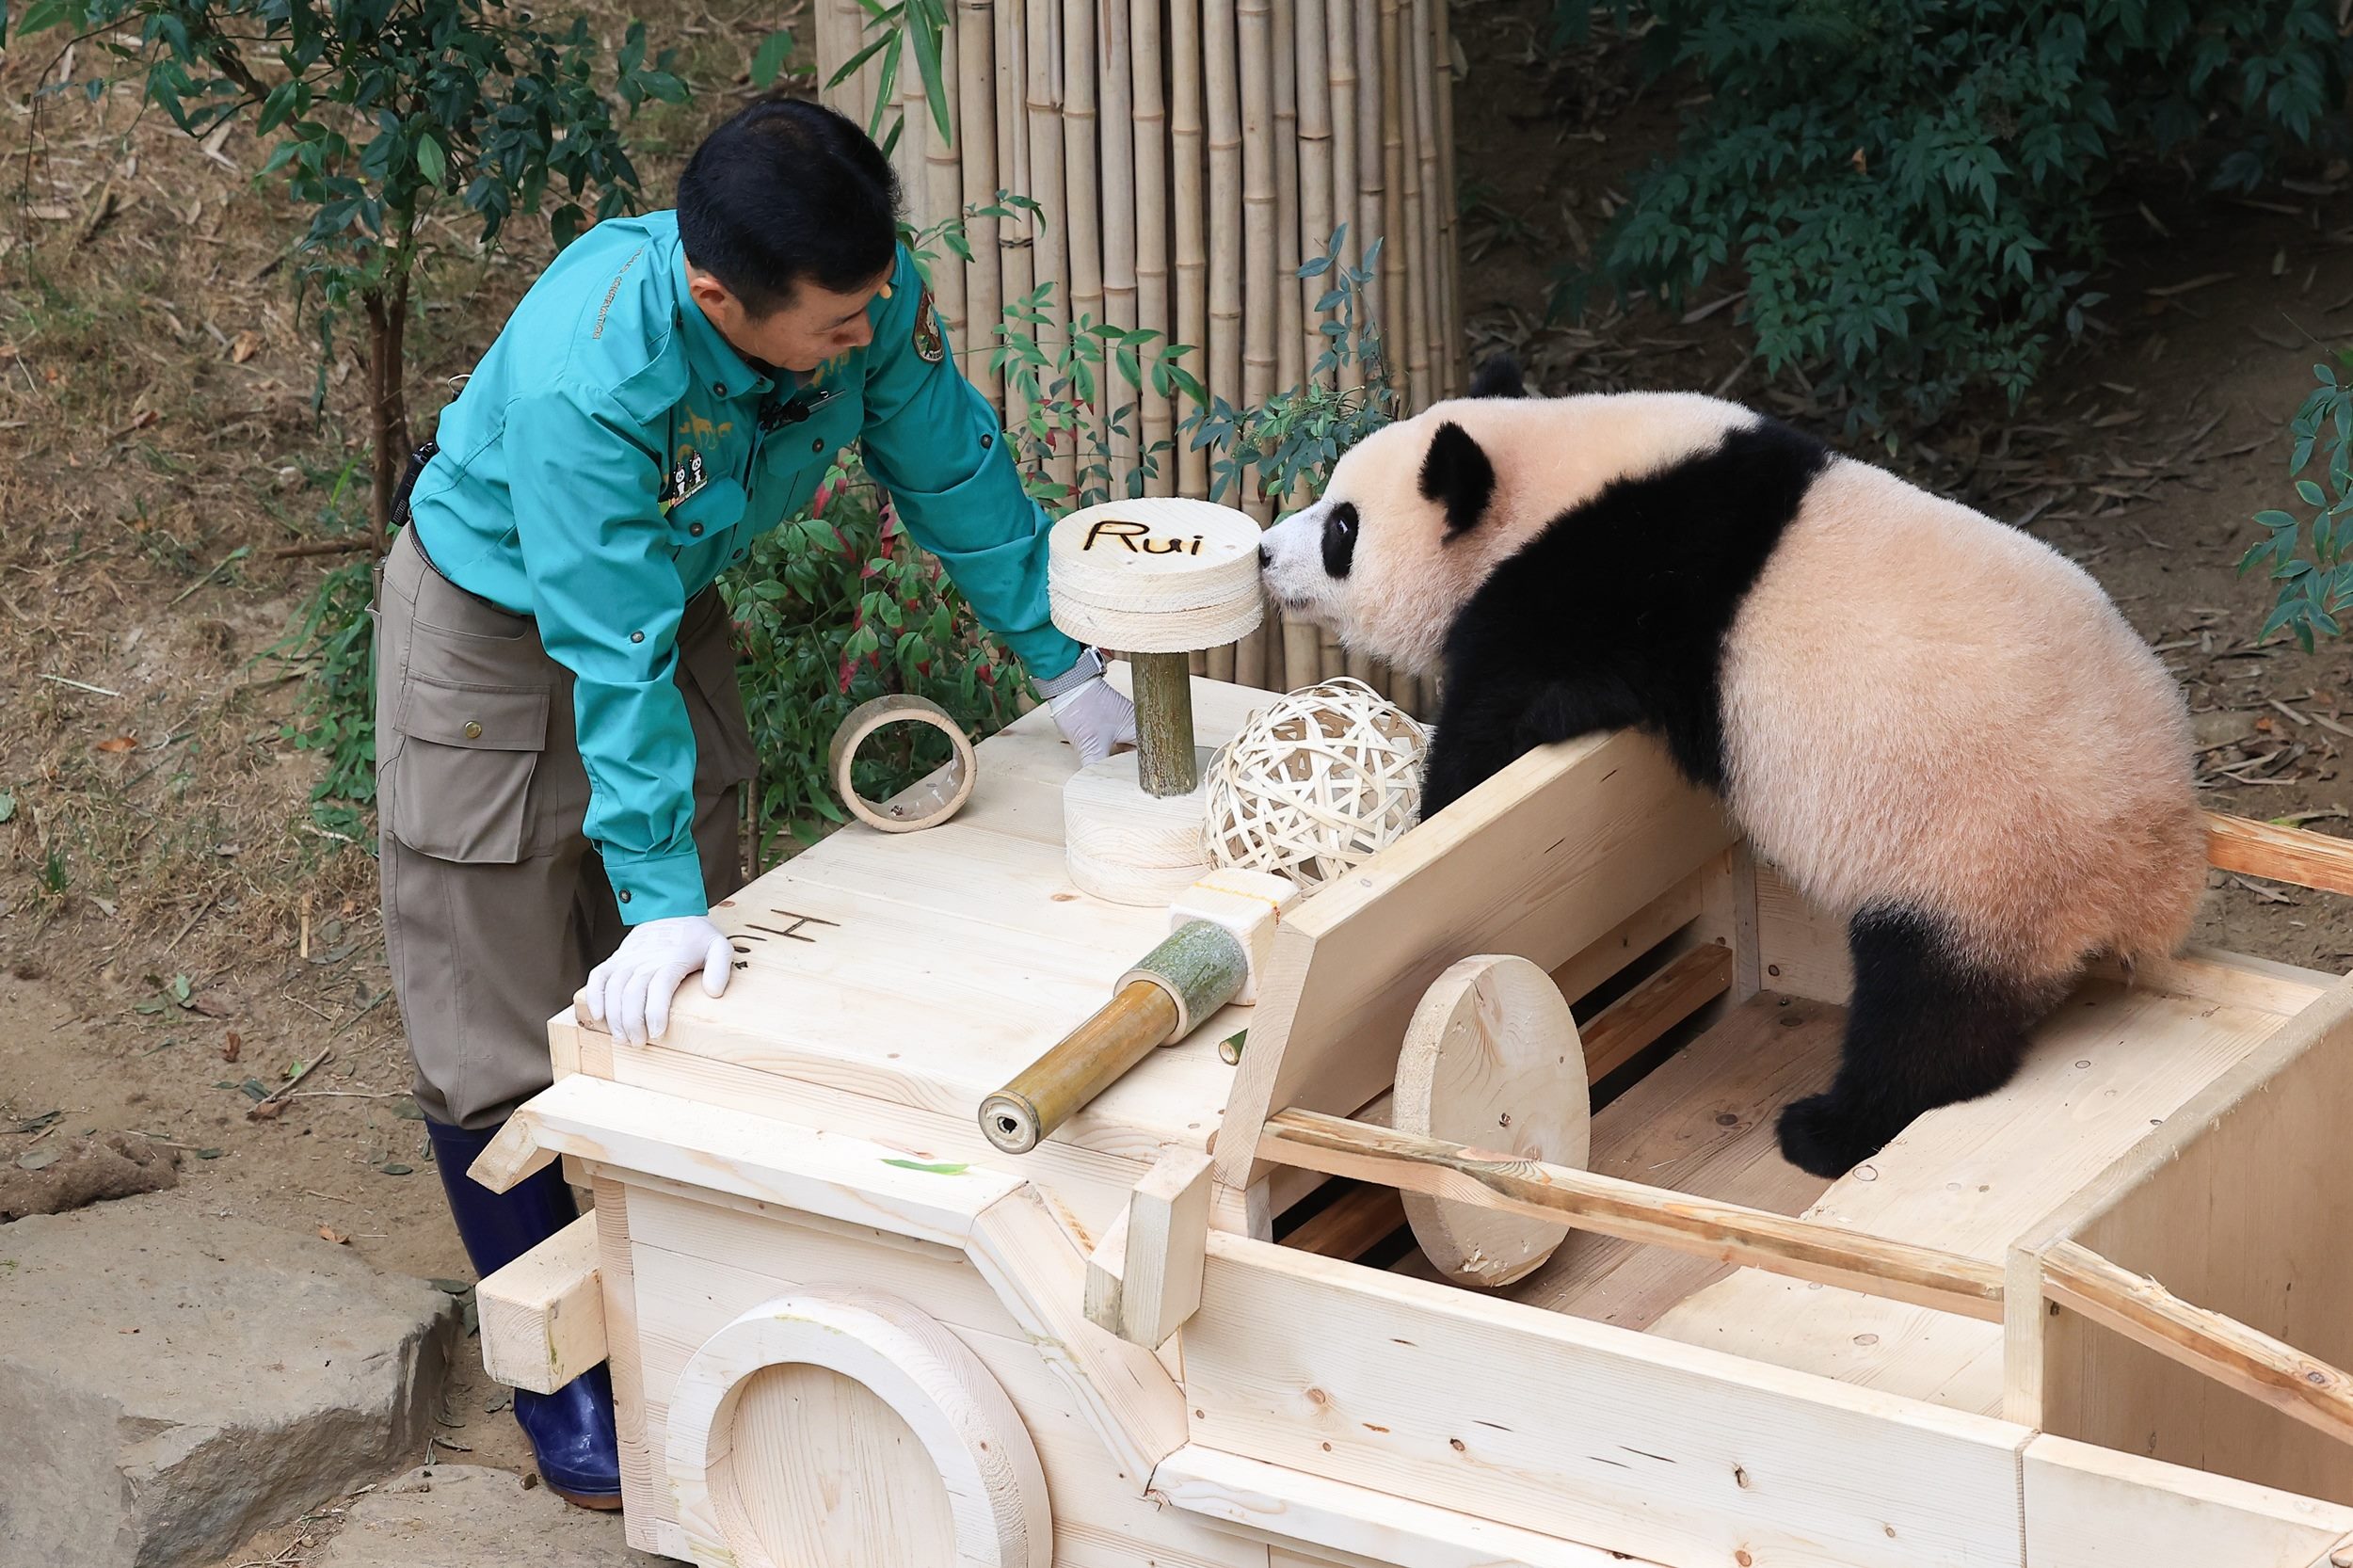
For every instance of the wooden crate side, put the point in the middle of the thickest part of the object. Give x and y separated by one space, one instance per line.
647 1503
1581 1431
1543 861
2090 1507
2240 1204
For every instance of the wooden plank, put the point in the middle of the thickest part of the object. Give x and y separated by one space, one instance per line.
1636 1020
2241 1202
1351 1224
2090 1507
2221 1348
1107 1274
1973 1178
542 1315
1581 1431
2293 855
646 1504
1638 932
1542 861
1168 1226
1634 1212
1702 1123
1333 1522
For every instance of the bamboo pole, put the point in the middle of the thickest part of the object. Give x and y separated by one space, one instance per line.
1014 240
1157 422
1258 659
1191 214
1288 360
1049 268
1081 196
1316 152
856 95
906 102
943 186
1456 377
1371 223
1397 320
1409 307
1117 161
1425 109
1341 15
1221 85
977 133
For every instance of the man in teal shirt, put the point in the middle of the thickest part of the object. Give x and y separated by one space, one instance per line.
560 740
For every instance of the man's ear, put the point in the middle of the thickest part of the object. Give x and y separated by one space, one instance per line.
1457 475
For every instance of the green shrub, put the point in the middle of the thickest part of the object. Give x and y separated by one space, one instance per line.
1907 185
2311 559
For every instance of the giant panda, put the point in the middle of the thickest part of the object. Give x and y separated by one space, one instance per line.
1936 726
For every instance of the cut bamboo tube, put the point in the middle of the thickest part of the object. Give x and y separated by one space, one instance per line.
1221 88
1048 269
1730 1233
1116 159
1187 160
976 132
943 187
1082 245
2144 1311
1156 423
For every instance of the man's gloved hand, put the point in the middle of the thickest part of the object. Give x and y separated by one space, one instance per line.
630 992
1094 717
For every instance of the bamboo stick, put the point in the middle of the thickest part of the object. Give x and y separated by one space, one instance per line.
1316 153
1007 68
1456 377
2222 1348
1117 161
1081 198
906 102
1607 1205
1288 360
1342 18
1425 111
1409 307
1048 269
943 187
1219 85
1157 422
1258 660
976 132
1372 222
1192 216
858 93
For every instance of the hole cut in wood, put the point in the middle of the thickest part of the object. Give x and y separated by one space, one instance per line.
1492 1060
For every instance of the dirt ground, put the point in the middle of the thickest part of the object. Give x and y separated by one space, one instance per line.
177 931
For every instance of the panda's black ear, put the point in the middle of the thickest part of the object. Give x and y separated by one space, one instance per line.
1500 378
1458 476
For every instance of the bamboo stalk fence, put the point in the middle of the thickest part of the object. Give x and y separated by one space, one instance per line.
1185 155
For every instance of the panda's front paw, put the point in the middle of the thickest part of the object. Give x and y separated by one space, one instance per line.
1822 1136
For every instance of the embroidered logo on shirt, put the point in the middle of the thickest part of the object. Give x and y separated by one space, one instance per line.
927 343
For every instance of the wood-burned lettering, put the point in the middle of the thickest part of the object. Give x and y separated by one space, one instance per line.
1137 540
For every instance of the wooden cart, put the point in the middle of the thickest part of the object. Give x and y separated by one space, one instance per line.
2093 1319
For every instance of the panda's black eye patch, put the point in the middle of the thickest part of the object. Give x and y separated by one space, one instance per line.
1340 539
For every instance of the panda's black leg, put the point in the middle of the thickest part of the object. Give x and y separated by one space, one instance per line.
1484 724
1924 1029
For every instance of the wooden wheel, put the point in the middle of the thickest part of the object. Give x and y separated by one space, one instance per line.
839 1428
1492 1060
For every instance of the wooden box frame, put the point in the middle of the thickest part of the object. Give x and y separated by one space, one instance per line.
1199 1393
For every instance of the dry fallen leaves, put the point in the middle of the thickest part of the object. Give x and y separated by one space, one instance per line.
244 348
327 1234
120 742
233 1047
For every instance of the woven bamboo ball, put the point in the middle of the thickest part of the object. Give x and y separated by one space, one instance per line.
1318 781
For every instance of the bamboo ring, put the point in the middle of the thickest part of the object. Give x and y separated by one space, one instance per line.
926 802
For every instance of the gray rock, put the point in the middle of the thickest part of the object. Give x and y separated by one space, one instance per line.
466 1516
174 1381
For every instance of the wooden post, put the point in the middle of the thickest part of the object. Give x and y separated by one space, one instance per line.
1164 746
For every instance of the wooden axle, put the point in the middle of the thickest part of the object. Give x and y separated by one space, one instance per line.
1196 970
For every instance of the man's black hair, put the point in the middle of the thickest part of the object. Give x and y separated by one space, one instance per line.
788 190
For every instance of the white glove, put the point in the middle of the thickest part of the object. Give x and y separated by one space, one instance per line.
630 992
1094 717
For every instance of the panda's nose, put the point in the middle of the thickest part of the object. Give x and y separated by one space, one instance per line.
1266 558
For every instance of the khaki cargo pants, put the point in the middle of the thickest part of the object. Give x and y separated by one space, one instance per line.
495 905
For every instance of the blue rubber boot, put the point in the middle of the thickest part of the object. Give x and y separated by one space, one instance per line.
572 1429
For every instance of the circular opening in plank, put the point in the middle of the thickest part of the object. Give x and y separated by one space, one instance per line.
824 1473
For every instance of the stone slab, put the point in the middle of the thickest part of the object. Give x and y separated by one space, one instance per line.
469 1516
173 1380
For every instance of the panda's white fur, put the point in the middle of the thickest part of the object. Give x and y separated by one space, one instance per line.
1936 725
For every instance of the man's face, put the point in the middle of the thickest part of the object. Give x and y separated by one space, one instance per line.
818 325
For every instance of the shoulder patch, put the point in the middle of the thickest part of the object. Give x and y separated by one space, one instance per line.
928 345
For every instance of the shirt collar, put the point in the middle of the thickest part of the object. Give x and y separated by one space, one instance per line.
717 367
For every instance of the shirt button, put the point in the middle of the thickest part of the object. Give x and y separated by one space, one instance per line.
988 441
818 445
637 636
474 730
696 530
718 389
623 895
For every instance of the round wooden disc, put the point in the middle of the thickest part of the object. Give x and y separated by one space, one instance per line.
1155 575
1492 1060
927 803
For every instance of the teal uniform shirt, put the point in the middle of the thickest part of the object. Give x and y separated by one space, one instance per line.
606 461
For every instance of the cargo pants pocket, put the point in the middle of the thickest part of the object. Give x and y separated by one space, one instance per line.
461 787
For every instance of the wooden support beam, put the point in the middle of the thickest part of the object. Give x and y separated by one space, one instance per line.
543 1314
2291 855
1619 1031
2255 1363
1351 1225
1800 1249
1144 1278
